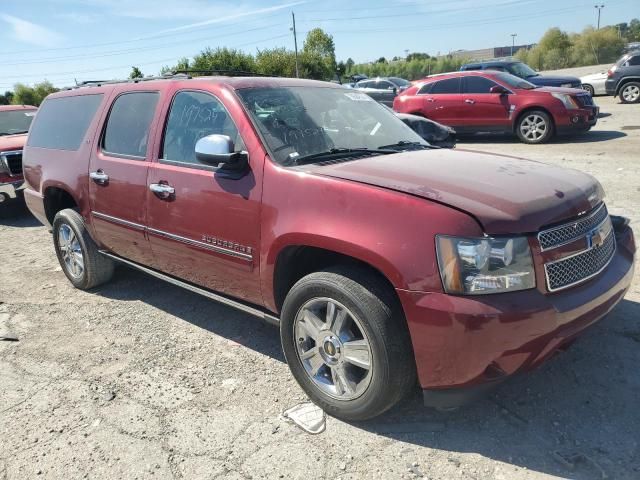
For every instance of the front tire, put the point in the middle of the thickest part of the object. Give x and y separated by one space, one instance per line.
534 127
77 253
346 342
630 92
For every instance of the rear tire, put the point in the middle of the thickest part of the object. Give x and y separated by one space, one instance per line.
77 253
630 92
588 88
325 316
534 127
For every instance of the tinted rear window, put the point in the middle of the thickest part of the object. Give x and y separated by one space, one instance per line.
451 85
127 131
635 60
61 123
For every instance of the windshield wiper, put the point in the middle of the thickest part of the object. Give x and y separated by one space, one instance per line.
405 144
335 152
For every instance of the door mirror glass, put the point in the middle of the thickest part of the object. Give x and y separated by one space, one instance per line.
499 89
215 149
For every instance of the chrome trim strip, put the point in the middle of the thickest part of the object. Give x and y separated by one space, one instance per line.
559 227
267 317
582 280
119 221
196 243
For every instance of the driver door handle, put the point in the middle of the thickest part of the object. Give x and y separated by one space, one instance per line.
431 99
99 177
162 190
468 100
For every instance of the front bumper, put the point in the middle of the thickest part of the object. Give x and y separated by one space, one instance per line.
579 119
10 185
465 344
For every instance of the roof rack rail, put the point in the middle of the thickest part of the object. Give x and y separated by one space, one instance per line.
98 83
224 73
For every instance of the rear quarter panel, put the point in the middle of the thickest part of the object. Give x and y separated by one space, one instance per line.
65 169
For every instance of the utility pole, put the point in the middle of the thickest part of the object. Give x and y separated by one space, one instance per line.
295 42
598 7
513 42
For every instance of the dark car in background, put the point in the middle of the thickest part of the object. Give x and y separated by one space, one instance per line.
383 89
490 101
524 71
623 79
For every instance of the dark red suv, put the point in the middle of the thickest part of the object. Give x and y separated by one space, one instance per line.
488 101
384 261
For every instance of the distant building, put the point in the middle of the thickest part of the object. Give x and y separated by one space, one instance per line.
489 53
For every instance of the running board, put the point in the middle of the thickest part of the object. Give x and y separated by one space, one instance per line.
267 317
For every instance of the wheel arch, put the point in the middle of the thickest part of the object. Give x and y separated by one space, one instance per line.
623 81
56 198
292 261
531 108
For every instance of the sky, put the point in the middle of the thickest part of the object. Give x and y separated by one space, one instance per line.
68 40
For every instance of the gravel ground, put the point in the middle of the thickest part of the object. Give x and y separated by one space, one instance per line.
140 379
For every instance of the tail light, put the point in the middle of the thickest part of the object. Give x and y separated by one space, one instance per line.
609 73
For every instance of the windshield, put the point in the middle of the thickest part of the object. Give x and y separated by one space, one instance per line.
15 121
522 70
515 82
298 122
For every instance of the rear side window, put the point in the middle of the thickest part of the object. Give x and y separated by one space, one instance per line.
633 61
475 84
127 131
426 88
450 85
62 123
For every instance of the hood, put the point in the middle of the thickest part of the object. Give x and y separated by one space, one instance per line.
506 195
594 76
12 142
553 80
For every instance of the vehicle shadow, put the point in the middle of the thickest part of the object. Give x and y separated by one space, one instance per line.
574 417
251 332
14 213
584 137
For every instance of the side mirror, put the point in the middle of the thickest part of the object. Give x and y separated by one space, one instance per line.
499 89
219 149
395 90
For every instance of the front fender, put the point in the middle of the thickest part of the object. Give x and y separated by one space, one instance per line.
391 231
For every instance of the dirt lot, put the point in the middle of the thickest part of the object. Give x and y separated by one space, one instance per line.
140 379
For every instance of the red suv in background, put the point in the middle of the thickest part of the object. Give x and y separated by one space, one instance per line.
475 102
14 125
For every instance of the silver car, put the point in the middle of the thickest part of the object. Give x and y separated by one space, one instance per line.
594 83
383 89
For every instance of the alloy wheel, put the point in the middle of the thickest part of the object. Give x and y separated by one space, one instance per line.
71 251
333 348
533 127
631 93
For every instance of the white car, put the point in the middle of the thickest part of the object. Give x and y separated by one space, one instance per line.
594 83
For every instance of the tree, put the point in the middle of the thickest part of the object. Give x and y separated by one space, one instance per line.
223 59
417 56
319 55
135 73
277 61
350 64
6 98
381 60
25 95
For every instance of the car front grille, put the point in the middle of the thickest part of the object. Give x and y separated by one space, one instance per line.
12 161
568 232
582 266
584 100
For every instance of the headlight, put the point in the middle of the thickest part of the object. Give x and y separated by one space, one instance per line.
566 100
475 266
